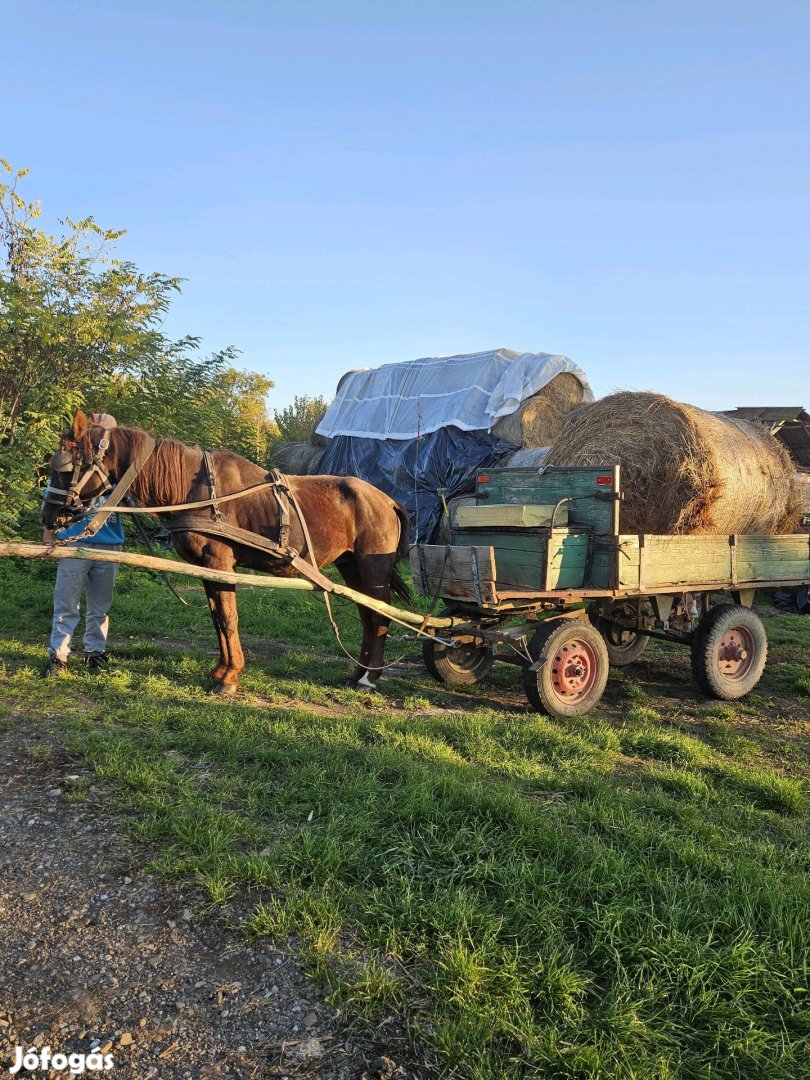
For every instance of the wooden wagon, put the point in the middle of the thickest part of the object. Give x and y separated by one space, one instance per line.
538 574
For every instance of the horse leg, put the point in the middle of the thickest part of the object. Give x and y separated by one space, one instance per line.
375 627
222 602
217 673
379 632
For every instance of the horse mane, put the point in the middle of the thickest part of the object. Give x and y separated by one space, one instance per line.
169 473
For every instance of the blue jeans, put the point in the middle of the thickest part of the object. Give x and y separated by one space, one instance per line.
73 577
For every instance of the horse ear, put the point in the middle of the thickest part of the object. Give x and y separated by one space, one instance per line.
79 426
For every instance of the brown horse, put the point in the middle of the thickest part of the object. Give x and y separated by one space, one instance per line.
351 524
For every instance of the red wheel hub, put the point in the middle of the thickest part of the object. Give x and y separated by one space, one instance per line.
574 669
736 653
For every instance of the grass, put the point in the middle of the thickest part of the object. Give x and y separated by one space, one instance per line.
623 895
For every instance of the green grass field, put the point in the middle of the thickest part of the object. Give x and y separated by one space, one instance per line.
625 895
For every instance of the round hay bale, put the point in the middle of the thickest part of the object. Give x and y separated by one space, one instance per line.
539 419
684 470
318 440
442 533
298 458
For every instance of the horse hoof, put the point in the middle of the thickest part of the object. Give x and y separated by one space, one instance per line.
362 687
224 689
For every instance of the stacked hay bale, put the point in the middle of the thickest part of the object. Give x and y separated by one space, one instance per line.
532 426
684 470
298 459
539 419
320 440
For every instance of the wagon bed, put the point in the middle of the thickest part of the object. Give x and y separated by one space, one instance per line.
635 586
589 558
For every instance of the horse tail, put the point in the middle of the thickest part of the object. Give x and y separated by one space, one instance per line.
404 531
399 586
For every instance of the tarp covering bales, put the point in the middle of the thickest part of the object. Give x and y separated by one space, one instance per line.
425 426
470 392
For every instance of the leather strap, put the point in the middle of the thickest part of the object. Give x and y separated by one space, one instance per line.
210 468
201 505
226 531
282 492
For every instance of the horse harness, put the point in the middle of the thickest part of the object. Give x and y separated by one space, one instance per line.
186 516
218 526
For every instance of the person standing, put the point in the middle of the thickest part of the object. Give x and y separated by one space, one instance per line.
77 576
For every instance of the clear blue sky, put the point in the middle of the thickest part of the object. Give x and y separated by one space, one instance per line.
347 184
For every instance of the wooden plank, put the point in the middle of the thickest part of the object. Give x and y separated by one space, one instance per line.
588 488
530 541
773 557
460 573
602 568
520 557
681 561
803 476
508 515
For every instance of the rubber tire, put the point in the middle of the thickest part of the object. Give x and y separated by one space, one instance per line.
545 642
458 667
706 646
619 655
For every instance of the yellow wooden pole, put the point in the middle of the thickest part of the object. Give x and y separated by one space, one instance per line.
12 549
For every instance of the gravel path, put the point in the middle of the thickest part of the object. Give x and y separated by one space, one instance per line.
96 955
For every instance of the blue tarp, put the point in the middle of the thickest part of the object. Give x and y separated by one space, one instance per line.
412 470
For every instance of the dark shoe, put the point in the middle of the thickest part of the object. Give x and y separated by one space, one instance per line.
55 668
97 661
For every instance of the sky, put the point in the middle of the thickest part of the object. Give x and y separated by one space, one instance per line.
347 184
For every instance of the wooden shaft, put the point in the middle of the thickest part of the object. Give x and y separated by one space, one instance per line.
150 562
11 549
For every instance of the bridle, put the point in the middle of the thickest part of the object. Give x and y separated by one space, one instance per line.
73 458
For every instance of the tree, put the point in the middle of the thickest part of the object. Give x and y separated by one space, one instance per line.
197 400
80 328
296 422
68 312
244 396
69 316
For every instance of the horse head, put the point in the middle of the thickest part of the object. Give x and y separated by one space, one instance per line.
79 470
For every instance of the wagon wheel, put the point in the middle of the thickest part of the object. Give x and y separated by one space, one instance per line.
623 646
464 665
729 651
572 671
